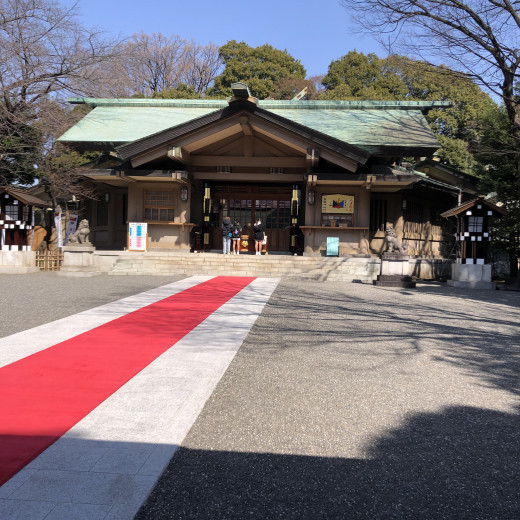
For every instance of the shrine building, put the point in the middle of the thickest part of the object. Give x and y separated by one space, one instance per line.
310 169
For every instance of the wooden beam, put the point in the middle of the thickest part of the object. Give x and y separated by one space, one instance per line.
254 162
248 177
301 145
249 146
179 154
340 160
270 146
244 123
224 146
149 156
195 141
209 135
122 175
284 138
312 158
110 179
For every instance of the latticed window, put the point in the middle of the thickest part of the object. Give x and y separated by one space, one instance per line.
11 212
475 224
158 205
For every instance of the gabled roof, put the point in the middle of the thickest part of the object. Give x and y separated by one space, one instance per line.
243 107
472 203
23 196
441 172
384 127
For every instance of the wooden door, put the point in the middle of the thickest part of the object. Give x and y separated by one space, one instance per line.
246 203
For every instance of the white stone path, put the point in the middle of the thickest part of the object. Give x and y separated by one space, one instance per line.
106 465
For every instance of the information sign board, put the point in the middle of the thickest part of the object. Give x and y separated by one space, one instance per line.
137 234
337 203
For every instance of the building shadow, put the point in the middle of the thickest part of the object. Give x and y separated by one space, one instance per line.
461 463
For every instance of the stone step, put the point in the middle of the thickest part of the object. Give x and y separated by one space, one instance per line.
363 269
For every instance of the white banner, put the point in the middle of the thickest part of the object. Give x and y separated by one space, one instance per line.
57 225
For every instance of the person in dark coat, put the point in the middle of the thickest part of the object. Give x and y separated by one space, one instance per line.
237 231
258 228
227 233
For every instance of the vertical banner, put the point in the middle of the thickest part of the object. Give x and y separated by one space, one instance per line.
137 232
57 225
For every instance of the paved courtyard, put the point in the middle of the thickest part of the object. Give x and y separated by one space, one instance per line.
343 400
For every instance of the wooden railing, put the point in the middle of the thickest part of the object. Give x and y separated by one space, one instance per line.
49 260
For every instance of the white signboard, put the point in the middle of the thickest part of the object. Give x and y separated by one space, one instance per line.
137 232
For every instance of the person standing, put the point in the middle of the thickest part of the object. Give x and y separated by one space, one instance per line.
258 228
237 231
227 233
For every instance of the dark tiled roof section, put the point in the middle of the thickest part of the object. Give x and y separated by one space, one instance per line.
23 196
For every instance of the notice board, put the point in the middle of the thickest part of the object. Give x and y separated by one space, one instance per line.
137 236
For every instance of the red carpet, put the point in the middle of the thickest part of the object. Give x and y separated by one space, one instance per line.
45 394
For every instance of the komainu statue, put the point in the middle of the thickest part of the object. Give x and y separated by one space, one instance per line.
80 237
392 243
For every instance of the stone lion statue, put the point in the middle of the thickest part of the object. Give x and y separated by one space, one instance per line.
392 243
80 237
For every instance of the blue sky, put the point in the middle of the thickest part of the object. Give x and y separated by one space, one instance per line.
314 32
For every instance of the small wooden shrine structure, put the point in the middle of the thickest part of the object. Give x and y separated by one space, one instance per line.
471 270
473 236
16 218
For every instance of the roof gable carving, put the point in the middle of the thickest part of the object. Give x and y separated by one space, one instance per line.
239 132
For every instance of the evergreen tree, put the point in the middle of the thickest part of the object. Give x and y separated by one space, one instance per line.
260 68
396 78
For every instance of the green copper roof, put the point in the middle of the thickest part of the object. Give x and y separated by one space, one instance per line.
266 104
366 124
124 124
367 128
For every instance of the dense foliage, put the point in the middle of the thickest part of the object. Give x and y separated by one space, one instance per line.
458 129
258 67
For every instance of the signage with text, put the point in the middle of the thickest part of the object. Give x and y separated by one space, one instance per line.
137 232
337 203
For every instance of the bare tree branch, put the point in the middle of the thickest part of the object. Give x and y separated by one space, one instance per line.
45 55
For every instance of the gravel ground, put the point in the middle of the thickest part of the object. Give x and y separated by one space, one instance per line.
29 300
351 401
345 401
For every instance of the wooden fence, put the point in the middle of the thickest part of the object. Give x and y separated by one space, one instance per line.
49 260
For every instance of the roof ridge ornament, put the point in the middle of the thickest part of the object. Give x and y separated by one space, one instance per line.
241 93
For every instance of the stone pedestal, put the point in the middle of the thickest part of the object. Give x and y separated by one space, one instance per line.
395 271
471 276
78 261
18 262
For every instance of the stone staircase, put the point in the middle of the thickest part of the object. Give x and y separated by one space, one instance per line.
360 269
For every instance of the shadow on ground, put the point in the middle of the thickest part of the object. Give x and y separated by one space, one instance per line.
478 332
461 463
